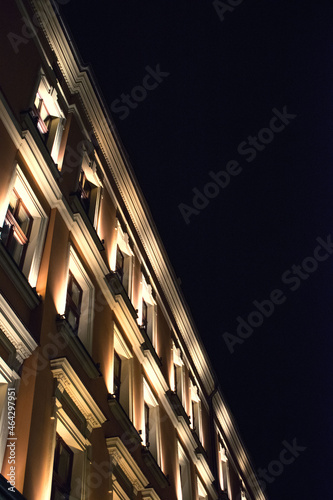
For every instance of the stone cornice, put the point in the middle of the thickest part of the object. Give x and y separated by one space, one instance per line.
70 382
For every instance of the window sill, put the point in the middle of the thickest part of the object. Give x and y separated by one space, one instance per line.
177 406
28 124
154 468
132 435
77 208
17 277
118 290
148 346
200 449
78 349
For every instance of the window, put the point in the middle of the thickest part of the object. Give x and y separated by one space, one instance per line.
90 188
17 228
116 376
151 436
48 117
196 418
71 447
148 311
24 227
73 302
62 470
123 260
179 375
223 467
79 310
184 475
120 261
122 373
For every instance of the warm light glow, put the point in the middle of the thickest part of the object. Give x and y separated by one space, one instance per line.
60 292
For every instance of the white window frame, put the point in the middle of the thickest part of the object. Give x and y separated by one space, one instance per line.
178 364
50 97
195 399
34 251
154 418
147 296
89 168
223 468
184 477
86 322
126 373
122 241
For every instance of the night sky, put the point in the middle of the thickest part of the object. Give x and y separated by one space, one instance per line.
221 78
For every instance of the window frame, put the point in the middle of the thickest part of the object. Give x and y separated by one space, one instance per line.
51 132
123 244
86 320
196 409
126 372
64 487
34 249
154 433
71 307
148 311
184 478
88 176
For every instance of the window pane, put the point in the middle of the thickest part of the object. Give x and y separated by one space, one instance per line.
72 319
120 264
23 218
76 293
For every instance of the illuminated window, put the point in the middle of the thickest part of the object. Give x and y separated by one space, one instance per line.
148 311
151 423
48 117
24 227
123 260
196 418
90 188
120 261
79 309
179 374
185 492
17 228
123 373
223 467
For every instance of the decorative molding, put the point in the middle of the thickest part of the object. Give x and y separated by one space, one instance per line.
149 494
122 458
15 331
69 381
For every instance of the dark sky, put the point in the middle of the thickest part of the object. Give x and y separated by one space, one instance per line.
220 81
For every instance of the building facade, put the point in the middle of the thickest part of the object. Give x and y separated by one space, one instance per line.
106 391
